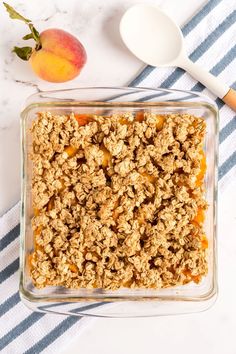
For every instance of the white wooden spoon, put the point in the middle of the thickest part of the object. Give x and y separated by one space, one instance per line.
154 38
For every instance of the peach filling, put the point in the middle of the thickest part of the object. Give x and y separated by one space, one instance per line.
70 151
150 178
204 243
200 216
83 119
106 156
202 172
160 121
195 278
73 268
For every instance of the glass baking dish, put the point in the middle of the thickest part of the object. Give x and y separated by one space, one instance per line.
123 302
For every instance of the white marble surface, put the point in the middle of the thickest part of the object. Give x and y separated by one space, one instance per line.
95 22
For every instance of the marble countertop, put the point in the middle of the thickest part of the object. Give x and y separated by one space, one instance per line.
95 22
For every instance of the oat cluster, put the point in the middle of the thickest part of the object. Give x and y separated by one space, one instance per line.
117 200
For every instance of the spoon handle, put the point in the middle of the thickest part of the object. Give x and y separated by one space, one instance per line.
215 85
230 99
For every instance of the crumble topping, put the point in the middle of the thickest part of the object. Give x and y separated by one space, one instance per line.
118 201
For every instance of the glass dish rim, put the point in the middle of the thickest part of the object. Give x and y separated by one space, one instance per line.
206 103
30 103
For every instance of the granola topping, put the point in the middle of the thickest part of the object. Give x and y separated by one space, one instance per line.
118 201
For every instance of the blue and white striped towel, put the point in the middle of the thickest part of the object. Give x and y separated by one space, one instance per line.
211 40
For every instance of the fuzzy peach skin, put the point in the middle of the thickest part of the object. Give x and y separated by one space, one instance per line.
61 57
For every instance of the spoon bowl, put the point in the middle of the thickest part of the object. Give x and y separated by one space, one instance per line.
141 24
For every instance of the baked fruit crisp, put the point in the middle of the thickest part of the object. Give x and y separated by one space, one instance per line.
118 201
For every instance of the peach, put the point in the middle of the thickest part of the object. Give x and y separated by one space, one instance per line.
150 178
60 58
57 57
70 151
200 216
139 116
106 157
203 167
204 243
73 268
83 119
160 121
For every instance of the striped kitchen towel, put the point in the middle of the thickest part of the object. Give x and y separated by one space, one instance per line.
211 40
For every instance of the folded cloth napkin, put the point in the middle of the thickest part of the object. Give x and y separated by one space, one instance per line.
211 40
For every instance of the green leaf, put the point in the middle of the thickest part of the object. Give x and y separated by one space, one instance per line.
24 52
14 14
28 36
35 33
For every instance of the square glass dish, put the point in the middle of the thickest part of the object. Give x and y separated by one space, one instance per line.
124 302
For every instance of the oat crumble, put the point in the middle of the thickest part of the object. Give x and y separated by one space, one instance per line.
118 201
